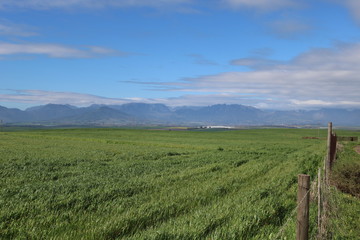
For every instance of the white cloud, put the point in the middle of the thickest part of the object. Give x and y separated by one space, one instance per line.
342 57
263 5
36 97
57 50
10 29
262 52
200 59
255 62
178 5
319 77
47 4
205 99
354 7
44 97
319 103
287 28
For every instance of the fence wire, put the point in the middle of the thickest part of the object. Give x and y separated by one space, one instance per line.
329 212
279 234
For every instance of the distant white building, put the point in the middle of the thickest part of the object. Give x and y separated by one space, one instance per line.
226 127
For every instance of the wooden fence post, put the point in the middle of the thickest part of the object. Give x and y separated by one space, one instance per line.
302 232
333 150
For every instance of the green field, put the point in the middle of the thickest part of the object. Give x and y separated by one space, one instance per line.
148 184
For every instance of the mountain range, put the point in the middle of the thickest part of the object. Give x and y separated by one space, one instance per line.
159 114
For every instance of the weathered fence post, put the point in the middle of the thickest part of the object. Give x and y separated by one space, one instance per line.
302 231
333 150
328 157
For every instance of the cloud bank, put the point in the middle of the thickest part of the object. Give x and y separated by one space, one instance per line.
57 50
10 29
289 28
44 97
36 97
327 77
319 77
354 7
46 4
264 5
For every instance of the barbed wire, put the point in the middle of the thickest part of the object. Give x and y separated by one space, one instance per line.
290 216
336 218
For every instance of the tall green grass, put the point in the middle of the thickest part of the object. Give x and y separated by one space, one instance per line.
345 193
147 184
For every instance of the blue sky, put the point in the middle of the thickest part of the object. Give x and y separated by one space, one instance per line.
270 54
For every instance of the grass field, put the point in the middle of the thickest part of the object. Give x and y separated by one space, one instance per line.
147 184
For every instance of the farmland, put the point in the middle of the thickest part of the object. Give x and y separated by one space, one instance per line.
150 184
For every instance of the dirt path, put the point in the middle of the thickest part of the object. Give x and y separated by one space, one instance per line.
357 149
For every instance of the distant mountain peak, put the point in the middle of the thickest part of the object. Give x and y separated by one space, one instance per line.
147 113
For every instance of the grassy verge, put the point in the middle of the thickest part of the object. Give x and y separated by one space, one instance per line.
345 196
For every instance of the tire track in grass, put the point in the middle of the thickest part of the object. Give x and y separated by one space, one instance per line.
276 212
153 217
